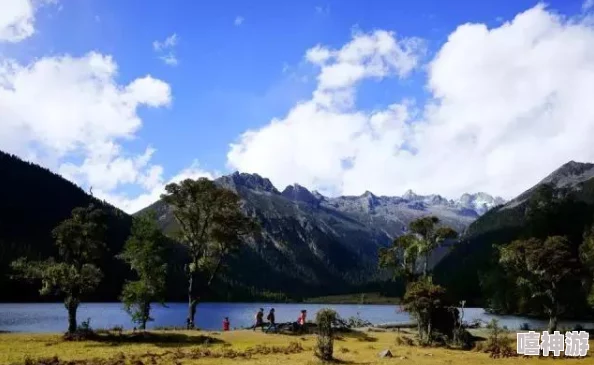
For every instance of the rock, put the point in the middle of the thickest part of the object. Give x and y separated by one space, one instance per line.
385 353
402 358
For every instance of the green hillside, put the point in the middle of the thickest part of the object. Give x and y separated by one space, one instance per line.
562 204
33 201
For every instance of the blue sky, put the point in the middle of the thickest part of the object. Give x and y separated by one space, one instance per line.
241 63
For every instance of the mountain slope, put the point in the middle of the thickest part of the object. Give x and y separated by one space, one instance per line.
461 271
312 244
34 200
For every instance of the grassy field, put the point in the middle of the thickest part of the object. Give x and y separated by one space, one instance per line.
362 298
245 347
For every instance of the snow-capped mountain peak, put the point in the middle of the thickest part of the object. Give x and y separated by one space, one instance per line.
479 202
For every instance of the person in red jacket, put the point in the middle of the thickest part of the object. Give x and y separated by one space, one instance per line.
302 318
226 324
299 326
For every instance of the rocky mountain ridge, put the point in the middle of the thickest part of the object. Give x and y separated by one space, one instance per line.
317 242
479 203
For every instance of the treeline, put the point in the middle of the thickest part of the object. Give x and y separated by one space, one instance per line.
33 202
532 259
212 228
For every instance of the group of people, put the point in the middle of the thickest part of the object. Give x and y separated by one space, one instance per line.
271 321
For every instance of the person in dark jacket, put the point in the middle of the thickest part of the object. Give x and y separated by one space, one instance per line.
271 321
259 319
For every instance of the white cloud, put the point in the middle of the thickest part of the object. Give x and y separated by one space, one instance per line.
169 59
374 55
154 185
509 105
59 110
17 19
168 43
587 5
238 20
165 49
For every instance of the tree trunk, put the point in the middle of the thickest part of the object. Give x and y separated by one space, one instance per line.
192 302
426 265
552 323
429 329
554 310
71 305
146 312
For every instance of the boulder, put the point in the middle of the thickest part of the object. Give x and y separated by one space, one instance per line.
385 353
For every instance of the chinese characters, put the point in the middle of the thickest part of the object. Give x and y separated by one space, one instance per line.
573 343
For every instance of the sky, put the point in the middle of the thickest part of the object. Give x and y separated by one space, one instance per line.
339 96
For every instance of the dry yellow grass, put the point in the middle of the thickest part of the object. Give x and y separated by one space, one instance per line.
14 348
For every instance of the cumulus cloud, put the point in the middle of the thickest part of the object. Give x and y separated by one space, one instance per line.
508 105
154 185
69 114
238 21
17 19
587 5
165 49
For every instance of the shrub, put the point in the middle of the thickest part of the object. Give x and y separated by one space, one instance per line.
325 318
357 322
525 326
403 340
498 343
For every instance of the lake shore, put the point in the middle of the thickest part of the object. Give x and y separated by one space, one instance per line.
210 347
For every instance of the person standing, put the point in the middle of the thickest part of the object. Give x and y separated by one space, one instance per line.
300 324
271 320
302 318
259 319
226 324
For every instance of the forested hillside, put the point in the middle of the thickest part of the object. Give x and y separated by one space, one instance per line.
33 201
562 204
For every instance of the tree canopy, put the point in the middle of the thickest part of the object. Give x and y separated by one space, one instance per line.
79 240
212 226
543 267
144 251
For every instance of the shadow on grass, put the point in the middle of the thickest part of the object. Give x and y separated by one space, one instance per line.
157 339
337 361
358 335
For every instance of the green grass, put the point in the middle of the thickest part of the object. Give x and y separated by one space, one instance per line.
245 347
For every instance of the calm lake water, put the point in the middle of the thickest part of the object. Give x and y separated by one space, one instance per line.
53 317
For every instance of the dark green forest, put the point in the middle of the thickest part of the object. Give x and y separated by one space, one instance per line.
473 271
34 200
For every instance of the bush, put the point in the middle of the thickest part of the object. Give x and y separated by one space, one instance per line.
325 318
83 332
357 322
425 302
404 341
525 326
498 343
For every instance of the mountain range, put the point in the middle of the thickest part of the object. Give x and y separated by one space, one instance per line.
310 244
316 242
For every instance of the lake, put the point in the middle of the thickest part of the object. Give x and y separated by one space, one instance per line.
52 317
